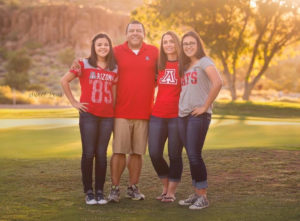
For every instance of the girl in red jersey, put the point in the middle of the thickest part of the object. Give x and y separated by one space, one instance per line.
97 75
163 121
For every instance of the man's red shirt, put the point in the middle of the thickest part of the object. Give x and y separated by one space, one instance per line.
135 87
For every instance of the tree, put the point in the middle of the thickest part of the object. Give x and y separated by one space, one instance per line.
17 76
241 35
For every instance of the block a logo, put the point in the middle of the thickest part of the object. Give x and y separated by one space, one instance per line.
169 77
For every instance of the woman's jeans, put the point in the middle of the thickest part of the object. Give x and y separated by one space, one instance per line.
159 130
192 133
95 134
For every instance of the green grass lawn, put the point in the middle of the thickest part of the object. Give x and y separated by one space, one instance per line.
243 185
43 141
253 174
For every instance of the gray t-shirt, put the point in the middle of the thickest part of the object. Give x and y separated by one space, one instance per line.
195 87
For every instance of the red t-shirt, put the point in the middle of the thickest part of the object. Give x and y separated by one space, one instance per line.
96 87
135 87
169 87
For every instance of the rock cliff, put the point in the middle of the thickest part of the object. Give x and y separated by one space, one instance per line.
59 24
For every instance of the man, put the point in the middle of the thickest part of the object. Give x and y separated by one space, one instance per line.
135 89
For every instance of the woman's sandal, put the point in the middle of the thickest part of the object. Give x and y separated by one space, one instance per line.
168 199
161 196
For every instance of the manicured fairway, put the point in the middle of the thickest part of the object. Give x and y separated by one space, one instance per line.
253 167
58 141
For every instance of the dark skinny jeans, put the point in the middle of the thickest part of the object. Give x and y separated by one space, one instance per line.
161 129
193 131
95 134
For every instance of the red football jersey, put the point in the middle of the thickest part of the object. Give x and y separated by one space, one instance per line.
135 87
96 87
169 87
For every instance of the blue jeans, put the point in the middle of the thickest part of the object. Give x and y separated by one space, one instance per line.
159 130
95 134
193 131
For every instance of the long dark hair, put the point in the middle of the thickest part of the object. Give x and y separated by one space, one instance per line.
110 58
163 58
199 53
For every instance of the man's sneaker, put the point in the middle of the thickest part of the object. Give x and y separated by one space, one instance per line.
90 198
189 201
200 203
134 193
114 195
99 197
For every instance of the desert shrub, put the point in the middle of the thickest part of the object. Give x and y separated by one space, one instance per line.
36 87
17 80
32 45
3 53
67 56
19 61
17 66
6 96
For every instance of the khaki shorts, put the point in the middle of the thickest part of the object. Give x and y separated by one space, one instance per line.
130 136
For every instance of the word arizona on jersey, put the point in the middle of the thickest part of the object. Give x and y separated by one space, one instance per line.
96 87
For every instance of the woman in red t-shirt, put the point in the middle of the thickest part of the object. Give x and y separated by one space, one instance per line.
97 75
163 121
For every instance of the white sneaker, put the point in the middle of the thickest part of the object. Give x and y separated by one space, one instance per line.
189 201
100 198
90 198
200 203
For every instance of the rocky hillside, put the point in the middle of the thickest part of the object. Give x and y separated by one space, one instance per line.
53 35
59 24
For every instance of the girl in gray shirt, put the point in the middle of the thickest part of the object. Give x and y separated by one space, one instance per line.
200 85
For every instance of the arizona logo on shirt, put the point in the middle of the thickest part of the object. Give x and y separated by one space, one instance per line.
101 76
169 77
